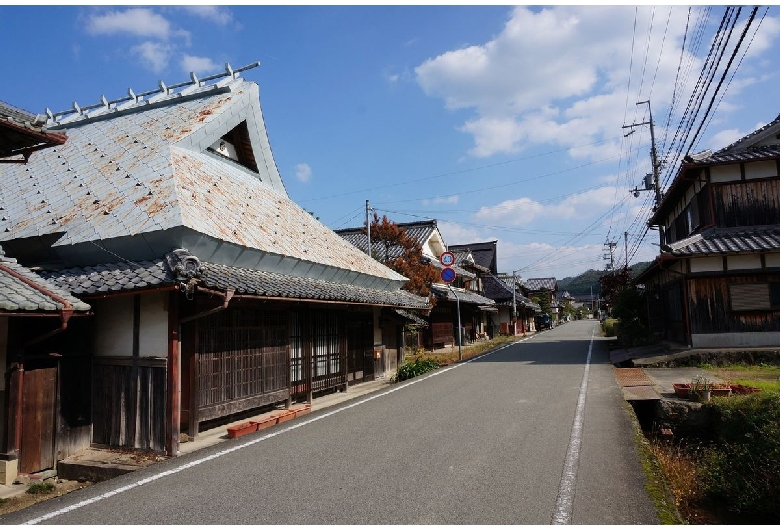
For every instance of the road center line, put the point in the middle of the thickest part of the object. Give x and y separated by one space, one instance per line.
224 452
565 500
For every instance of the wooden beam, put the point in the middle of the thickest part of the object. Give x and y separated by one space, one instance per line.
172 399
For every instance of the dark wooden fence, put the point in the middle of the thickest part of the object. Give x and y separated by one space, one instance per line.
129 403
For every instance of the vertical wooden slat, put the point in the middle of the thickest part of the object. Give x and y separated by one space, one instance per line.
173 381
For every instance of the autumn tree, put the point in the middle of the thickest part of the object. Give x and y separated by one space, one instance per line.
614 283
393 247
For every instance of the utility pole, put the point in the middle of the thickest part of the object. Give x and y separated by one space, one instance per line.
514 303
656 184
625 237
368 227
609 247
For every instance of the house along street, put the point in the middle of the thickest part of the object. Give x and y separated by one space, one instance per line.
532 433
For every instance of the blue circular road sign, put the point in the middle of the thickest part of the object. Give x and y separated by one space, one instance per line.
447 275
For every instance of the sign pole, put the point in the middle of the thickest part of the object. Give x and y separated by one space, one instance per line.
460 335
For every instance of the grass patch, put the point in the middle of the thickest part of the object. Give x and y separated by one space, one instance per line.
40 488
657 485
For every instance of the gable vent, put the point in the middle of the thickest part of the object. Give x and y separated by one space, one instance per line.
236 146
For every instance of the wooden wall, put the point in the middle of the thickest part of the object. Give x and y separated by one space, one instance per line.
747 203
710 307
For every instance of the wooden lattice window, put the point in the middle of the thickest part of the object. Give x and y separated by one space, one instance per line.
755 296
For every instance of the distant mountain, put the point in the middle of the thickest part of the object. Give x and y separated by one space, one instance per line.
580 285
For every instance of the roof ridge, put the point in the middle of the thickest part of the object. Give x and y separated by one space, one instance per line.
750 135
162 93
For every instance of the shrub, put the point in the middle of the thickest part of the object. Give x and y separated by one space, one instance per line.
740 469
40 487
608 327
415 368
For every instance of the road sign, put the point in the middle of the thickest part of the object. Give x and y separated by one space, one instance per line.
447 259
447 275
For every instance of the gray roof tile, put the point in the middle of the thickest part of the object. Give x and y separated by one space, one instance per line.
116 277
22 290
729 241
537 284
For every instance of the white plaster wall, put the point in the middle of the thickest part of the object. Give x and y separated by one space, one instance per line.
743 262
772 260
758 170
706 264
733 340
153 339
725 173
114 326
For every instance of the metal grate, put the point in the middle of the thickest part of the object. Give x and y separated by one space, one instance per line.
632 377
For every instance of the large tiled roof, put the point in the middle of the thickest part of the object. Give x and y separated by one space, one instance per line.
22 290
127 277
729 241
140 172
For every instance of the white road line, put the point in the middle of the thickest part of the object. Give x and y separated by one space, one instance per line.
565 500
219 454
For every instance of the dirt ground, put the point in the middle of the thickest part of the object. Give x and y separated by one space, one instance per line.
19 502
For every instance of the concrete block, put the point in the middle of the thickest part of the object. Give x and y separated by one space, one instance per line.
9 471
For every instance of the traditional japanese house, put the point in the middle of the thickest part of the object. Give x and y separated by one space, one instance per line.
463 293
500 288
35 317
716 282
213 293
546 290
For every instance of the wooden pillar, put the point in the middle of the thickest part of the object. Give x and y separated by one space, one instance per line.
173 395
14 420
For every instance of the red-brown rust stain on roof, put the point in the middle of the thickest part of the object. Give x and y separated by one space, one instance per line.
155 206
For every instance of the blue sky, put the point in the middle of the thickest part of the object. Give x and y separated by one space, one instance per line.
503 123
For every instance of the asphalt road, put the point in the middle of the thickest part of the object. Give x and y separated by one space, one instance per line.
529 434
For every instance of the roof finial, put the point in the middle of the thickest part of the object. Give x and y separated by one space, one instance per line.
194 79
163 88
229 70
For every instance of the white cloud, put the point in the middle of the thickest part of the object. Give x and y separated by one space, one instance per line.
563 60
216 14
452 199
199 65
142 22
153 55
522 211
303 172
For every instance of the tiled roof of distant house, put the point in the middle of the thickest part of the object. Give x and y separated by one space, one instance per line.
537 284
484 253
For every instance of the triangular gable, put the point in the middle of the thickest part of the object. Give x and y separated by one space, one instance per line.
763 136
